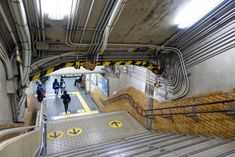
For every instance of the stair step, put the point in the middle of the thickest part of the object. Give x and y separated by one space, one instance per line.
226 147
130 144
139 145
227 154
164 148
157 144
230 155
109 143
196 146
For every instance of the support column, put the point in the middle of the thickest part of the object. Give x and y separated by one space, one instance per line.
149 91
88 83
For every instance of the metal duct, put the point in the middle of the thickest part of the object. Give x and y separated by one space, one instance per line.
19 15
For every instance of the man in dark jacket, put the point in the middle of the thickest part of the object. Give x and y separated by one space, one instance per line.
66 99
40 92
56 86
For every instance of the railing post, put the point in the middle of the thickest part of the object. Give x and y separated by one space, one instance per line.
44 136
149 90
149 118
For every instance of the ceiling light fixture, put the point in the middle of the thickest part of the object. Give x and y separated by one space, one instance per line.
194 11
56 9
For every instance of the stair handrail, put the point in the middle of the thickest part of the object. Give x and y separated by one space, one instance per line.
133 103
150 112
194 105
15 130
33 139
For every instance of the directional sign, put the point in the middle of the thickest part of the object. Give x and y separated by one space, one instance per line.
55 134
74 131
115 124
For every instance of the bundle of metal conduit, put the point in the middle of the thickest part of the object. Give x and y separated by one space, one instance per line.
19 16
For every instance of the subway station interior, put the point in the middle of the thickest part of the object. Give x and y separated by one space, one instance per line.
117 78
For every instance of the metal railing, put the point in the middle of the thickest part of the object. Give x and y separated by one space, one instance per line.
132 102
43 148
167 112
28 144
193 113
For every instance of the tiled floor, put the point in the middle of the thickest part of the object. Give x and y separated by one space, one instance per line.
95 129
80 102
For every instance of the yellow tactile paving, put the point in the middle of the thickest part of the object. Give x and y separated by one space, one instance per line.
83 102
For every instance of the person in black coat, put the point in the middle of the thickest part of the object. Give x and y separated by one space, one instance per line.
56 86
66 99
40 92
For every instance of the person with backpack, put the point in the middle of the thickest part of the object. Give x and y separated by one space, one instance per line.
56 86
66 100
62 85
40 92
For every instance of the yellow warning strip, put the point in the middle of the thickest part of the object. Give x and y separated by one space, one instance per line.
69 64
50 70
36 76
83 102
75 115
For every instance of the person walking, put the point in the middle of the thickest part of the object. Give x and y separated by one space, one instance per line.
40 92
56 86
62 85
66 100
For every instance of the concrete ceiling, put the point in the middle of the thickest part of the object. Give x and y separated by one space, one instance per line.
150 21
141 21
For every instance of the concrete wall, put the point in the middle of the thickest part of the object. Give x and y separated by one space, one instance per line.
130 79
117 84
215 74
5 104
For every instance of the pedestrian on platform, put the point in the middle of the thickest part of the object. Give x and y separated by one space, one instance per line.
56 86
66 100
62 85
40 92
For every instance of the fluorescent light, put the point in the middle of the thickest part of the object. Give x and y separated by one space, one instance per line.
194 11
56 9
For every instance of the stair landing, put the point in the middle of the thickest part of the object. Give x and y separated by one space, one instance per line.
93 129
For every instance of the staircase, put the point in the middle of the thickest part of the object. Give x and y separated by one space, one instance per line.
130 140
157 144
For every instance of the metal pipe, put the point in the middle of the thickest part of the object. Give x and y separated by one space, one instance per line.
8 68
35 8
112 21
20 63
195 51
18 12
175 37
212 49
177 51
204 32
71 17
77 23
87 19
101 25
212 55
42 23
